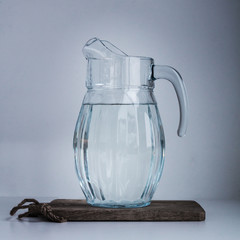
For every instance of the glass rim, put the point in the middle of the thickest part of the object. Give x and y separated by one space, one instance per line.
121 58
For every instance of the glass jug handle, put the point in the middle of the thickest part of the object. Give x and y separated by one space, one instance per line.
170 74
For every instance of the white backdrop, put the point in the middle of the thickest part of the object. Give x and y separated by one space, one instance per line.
42 74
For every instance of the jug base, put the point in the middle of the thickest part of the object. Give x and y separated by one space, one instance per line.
111 204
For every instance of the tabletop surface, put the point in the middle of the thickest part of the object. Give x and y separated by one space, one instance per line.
222 222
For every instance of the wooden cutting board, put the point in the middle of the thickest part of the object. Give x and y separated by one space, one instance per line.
79 210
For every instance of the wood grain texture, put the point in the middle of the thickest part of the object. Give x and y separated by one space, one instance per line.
79 210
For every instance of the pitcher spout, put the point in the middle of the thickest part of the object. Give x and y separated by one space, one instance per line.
99 49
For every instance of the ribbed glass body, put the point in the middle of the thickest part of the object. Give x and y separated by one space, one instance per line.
119 147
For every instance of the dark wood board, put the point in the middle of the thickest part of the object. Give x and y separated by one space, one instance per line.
79 210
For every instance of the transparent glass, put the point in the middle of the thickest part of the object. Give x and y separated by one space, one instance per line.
119 140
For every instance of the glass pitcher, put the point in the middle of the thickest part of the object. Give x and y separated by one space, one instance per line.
119 139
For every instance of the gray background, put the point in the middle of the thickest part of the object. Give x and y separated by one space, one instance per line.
42 74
